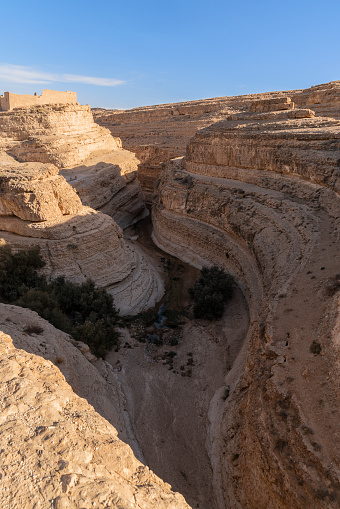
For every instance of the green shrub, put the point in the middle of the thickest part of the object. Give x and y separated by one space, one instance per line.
315 348
18 271
82 310
211 291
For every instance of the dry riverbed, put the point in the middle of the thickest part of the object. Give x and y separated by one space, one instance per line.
169 384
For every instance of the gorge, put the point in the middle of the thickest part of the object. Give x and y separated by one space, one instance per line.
241 413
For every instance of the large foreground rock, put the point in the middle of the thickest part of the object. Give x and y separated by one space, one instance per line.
56 451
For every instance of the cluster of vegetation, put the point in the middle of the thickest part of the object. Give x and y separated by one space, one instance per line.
315 348
82 310
211 291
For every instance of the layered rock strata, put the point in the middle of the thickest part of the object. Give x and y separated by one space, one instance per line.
103 174
286 143
38 207
58 452
230 202
158 133
64 135
108 183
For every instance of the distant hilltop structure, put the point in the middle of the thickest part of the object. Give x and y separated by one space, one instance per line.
9 101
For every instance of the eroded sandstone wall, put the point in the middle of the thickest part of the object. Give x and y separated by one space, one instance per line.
230 202
308 147
38 207
93 162
158 133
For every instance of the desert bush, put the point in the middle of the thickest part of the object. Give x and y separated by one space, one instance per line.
18 271
315 348
33 329
82 310
211 291
100 335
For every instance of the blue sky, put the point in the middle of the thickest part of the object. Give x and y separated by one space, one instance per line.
134 53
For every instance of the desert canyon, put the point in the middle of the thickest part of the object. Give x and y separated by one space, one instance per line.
238 413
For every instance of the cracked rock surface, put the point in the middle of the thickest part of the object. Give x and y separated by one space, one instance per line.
56 451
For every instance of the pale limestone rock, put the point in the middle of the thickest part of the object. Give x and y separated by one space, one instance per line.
307 147
57 451
279 103
158 133
41 209
36 193
108 182
102 173
64 135
231 203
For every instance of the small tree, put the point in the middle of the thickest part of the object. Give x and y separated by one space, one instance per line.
211 291
86 312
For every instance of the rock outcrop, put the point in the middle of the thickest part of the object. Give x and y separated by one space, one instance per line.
38 207
108 183
290 144
258 195
103 174
158 133
90 378
56 451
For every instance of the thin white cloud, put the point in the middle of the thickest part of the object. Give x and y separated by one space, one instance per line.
21 74
101 82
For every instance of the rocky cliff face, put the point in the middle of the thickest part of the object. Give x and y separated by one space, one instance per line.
158 133
308 147
56 450
247 414
38 207
66 136
258 195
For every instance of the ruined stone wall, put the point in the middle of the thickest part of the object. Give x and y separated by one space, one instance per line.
10 101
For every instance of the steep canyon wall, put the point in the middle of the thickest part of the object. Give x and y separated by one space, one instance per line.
258 195
66 136
158 133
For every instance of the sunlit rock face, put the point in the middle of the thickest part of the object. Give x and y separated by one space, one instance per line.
36 193
38 207
64 135
93 162
65 447
278 141
161 132
258 195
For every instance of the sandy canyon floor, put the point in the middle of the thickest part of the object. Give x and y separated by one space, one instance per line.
169 388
